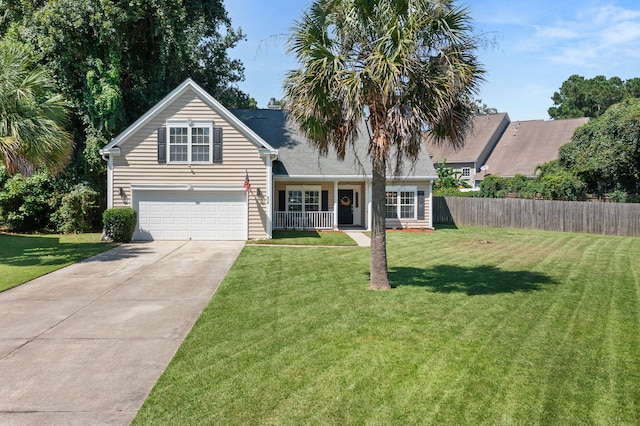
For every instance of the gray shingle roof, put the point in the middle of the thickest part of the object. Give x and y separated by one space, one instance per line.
485 131
298 158
527 144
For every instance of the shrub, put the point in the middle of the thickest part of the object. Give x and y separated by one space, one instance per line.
26 203
493 187
523 186
453 192
119 223
562 185
76 210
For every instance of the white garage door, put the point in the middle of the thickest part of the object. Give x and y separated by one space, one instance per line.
190 215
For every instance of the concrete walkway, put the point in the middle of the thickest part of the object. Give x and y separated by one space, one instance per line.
84 345
358 235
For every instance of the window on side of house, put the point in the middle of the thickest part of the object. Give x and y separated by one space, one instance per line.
401 202
466 172
303 198
190 141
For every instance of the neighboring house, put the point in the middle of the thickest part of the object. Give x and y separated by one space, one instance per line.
184 164
497 146
485 132
526 144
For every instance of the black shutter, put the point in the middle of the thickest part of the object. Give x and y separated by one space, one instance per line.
282 201
217 145
162 144
325 201
420 205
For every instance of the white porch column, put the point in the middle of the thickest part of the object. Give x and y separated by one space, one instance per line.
269 206
335 204
368 191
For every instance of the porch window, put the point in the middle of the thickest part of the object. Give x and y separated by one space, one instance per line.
401 203
392 205
190 142
303 199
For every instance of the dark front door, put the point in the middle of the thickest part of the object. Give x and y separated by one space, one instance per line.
345 207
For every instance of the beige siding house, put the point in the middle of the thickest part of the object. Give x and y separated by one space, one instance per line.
184 164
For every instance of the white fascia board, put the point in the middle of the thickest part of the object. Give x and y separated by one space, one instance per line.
349 178
189 84
410 178
187 188
327 178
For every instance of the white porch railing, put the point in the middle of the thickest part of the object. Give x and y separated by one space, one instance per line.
300 220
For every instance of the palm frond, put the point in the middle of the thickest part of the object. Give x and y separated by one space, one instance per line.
32 117
410 63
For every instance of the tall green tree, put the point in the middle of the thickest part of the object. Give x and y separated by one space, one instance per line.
580 97
605 152
32 114
114 60
480 108
404 65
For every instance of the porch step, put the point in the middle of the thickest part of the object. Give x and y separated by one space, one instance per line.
359 237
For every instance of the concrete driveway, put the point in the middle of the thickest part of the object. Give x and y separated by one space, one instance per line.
84 345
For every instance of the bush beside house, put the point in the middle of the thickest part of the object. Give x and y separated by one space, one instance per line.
119 224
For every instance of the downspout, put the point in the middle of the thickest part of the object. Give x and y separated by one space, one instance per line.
110 182
269 209
269 157
107 155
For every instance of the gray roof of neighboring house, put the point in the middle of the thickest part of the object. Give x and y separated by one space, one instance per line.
485 131
527 144
298 158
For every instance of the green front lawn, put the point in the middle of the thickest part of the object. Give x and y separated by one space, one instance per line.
25 257
484 326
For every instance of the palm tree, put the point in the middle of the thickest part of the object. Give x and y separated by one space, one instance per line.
32 115
407 66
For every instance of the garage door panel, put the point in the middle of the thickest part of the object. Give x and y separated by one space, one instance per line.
184 215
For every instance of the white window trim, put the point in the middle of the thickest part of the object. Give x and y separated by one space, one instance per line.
304 188
189 124
399 189
468 171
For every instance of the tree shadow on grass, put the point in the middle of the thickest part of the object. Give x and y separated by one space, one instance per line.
473 281
33 250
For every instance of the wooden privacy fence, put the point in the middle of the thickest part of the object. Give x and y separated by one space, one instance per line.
563 216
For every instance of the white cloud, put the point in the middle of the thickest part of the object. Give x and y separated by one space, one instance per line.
560 32
595 36
624 34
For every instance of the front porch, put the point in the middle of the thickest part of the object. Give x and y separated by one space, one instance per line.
306 205
333 205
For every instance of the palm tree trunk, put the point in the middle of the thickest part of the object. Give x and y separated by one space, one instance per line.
378 266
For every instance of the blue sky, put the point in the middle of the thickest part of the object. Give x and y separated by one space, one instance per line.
539 44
